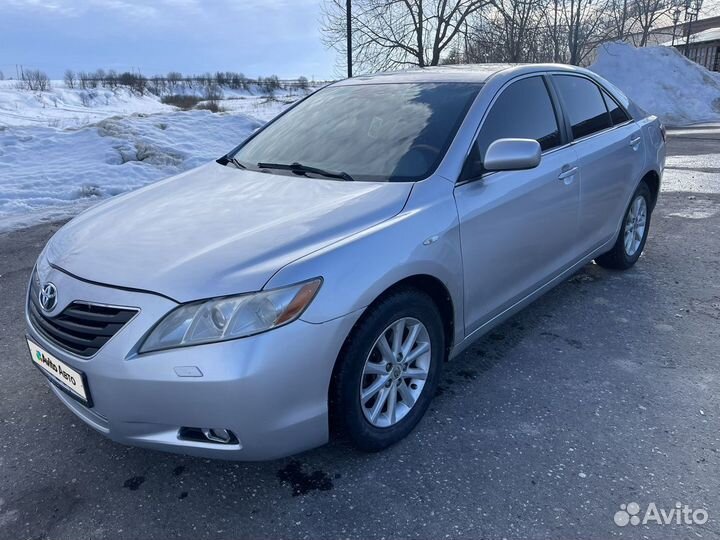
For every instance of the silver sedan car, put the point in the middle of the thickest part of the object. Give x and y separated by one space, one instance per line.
314 280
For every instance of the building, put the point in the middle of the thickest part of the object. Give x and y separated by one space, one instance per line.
676 35
703 47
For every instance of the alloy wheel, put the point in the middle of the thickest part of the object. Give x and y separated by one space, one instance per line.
635 224
395 372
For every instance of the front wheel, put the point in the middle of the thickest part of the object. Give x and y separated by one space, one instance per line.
633 233
388 370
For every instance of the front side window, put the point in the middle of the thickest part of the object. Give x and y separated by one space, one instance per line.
372 132
583 104
523 110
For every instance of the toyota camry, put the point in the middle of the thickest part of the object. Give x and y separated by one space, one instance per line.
314 280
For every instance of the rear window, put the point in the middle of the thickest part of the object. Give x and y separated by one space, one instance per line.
617 114
584 105
373 132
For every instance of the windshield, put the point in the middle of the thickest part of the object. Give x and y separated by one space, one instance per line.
381 132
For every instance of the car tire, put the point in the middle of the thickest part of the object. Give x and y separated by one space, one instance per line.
632 236
363 368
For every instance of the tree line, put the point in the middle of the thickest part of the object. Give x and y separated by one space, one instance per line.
174 82
391 34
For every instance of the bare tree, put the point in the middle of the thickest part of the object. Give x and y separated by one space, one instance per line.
619 19
34 80
389 34
99 76
112 79
514 29
645 14
84 79
174 78
585 26
69 78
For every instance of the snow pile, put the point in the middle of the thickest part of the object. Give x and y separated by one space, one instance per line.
67 148
47 173
662 82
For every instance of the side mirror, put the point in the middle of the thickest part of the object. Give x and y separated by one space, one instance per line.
512 155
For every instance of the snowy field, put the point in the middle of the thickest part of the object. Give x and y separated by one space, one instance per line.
59 156
62 107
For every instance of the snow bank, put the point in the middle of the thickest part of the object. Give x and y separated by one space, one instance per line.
47 173
65 149
63 107
662 81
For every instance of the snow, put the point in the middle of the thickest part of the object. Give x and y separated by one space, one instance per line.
50 173
59 156
662 82
711 34
62 107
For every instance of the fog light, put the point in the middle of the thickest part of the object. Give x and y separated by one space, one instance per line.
213 435
218 435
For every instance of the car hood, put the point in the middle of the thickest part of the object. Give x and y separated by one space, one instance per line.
216 230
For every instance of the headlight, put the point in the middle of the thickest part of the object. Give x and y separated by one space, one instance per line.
231 317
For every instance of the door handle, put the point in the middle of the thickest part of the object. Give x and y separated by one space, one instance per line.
635 142
567 173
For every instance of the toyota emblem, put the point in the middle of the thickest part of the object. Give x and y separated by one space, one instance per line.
48 296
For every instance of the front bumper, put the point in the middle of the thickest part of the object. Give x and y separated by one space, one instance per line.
270 390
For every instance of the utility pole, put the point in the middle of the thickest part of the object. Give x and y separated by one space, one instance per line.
348 16
676 20
692 9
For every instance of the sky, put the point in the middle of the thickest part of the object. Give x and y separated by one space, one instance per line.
255 37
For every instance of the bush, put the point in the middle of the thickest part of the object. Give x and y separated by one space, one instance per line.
182 101
87 97
137 83
212 106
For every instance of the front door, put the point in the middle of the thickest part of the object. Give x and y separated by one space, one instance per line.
518 229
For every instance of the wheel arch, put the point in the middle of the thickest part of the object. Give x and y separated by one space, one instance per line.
440 295
426 283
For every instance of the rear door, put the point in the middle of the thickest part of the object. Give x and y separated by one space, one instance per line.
609 152
517 228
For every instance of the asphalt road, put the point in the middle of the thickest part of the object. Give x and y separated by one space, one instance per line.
602 393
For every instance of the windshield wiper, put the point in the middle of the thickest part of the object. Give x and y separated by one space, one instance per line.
235 161
299 168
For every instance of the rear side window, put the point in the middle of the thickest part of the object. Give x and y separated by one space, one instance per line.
617 114
522 111
584 105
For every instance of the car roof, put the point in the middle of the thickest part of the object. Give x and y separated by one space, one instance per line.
465 73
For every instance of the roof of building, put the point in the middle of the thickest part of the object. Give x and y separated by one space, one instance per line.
706 36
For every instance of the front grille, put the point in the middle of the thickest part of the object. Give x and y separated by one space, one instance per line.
81 328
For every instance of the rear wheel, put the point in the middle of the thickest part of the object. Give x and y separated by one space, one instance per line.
388 370
633 233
